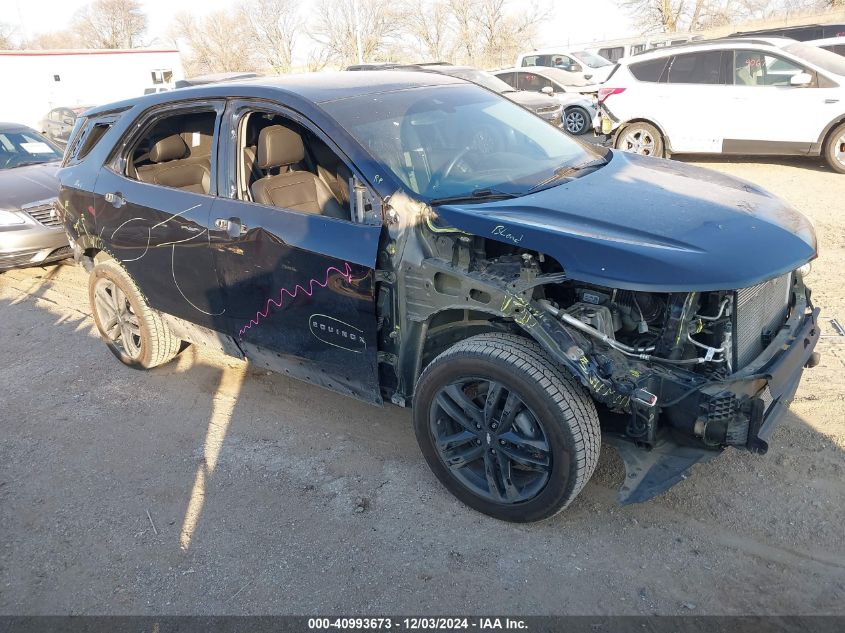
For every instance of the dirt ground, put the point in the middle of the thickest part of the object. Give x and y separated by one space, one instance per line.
210 487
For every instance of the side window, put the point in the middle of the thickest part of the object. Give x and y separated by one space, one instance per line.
175 151
85 137
531 60
508 78
613 54
563 62
283 164
839 49
696 68
533 81
650 71
755 68
636 49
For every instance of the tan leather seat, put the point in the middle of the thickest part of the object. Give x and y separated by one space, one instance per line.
281 148
172 168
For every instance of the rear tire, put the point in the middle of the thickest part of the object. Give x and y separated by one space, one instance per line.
641 138
834 149
506 430
133 332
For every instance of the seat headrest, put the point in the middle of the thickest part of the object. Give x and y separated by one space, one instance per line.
170 148
279 146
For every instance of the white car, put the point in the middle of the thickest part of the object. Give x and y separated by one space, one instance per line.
585 67
832 44
579 110
766 96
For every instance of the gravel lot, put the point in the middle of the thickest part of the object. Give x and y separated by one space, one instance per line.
208 487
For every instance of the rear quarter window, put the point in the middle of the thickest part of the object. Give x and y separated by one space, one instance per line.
650 71
86 136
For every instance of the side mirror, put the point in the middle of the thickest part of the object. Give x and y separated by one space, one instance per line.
576 68
801 79
547 90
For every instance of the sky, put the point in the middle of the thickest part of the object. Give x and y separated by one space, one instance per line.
571 21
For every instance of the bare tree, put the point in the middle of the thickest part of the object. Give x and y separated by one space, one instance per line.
335 22
273 26
503 32
218 42
111 24
6 36
66 38
491 32
464 14
430 26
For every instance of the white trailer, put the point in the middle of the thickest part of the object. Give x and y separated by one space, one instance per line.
36 81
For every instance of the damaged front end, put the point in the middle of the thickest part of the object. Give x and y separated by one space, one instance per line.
678 376
681 375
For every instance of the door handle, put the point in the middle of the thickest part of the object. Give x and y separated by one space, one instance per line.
831 100
232 226
115 199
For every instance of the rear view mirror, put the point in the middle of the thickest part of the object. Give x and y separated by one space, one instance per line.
547 90
801 79
68 121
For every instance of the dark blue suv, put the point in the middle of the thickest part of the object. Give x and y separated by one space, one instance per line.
415 238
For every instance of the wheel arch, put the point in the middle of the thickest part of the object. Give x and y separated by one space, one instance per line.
818 147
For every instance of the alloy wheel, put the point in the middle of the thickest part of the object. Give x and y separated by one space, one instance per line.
491 441
638 141
120 324
575 121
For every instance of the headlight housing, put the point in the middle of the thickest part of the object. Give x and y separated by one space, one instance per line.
10 218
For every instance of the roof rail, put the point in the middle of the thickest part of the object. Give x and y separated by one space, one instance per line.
719 40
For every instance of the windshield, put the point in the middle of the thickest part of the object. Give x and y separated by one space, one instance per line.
453 140
591 59
481 78
25 147
826 60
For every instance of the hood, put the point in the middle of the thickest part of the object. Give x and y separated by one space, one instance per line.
650 224
532 100
21 186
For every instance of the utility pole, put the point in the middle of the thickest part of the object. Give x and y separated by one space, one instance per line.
357 8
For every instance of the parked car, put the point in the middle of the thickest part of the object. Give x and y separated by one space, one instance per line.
542 105
30 232
343 232
731 96
583 66
579 109
832 44
58 123
614 50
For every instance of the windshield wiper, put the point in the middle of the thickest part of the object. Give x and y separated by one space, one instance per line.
479 195
565 172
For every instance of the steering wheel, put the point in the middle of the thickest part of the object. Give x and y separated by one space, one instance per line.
442 174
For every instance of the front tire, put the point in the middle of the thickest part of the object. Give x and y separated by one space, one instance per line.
133 332
506 430
641 138
834 149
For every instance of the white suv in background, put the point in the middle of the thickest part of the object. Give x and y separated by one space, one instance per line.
766 96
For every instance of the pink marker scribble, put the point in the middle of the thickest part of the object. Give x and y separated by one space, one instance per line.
262 314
